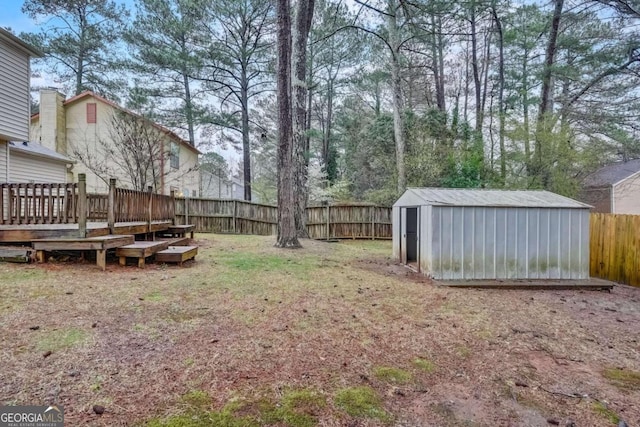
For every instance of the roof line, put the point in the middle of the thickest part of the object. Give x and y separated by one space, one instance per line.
20 44
104 100
624 179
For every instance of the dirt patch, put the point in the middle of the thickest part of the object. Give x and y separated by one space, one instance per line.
250 323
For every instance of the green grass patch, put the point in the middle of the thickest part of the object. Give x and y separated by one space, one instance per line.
298 408
601 409
424 365
361 402
392 375
154 297
623 378
197 399
64 338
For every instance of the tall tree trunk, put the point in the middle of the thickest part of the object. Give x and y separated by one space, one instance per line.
396 88
246 146
525 112
475 69
303 18
437 65
543 129
287 236
188 107
501 109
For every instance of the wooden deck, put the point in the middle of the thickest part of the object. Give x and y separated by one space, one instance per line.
22 233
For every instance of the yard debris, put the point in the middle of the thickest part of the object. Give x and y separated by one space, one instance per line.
47 354
553 421
34 328
521 384
98 409
621 423
94 324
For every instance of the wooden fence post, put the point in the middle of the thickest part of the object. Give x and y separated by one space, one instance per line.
328 223
82 205
373 223
111 206
150 217
235 203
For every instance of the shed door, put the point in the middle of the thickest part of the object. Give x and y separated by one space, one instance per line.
412 235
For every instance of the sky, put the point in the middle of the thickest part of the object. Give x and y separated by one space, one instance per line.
12 17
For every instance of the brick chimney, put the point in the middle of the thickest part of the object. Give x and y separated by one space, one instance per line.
53 122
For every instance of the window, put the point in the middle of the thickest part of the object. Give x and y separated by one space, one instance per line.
91 112
174 155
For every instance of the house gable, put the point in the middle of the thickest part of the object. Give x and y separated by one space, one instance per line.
14 87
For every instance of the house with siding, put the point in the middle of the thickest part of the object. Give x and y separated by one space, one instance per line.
615 188
97 133
20 160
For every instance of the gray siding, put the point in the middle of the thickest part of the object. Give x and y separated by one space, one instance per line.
25 168
14 93
506 243
3 161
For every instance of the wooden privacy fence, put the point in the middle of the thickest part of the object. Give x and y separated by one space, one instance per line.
615 248
323 222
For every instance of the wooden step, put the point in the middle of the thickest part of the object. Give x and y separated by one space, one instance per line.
100 244
177 254
140 250
180 230
175 241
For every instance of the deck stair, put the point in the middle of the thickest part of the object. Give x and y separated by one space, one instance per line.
99 244
140 250
175 241
178 254
179 230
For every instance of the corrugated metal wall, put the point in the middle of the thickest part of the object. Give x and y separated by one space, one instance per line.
14 87
505 243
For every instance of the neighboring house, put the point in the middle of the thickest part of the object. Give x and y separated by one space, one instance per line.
109 141
215 187
237 188
21 163
614 188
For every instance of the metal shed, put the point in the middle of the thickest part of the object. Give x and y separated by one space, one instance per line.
452 234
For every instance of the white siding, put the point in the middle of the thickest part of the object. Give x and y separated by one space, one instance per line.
14 93
26 168
626 196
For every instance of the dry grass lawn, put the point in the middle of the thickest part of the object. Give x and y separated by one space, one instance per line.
330 335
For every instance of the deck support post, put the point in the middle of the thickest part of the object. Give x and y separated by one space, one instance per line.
82 205
111 206
101 258
173 201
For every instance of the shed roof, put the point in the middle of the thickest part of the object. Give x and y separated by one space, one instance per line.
612 174
36 149
488 198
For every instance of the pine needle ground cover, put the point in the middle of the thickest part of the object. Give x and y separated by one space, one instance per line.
334 334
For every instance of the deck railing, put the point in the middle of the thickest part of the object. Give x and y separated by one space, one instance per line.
50 203
38 203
